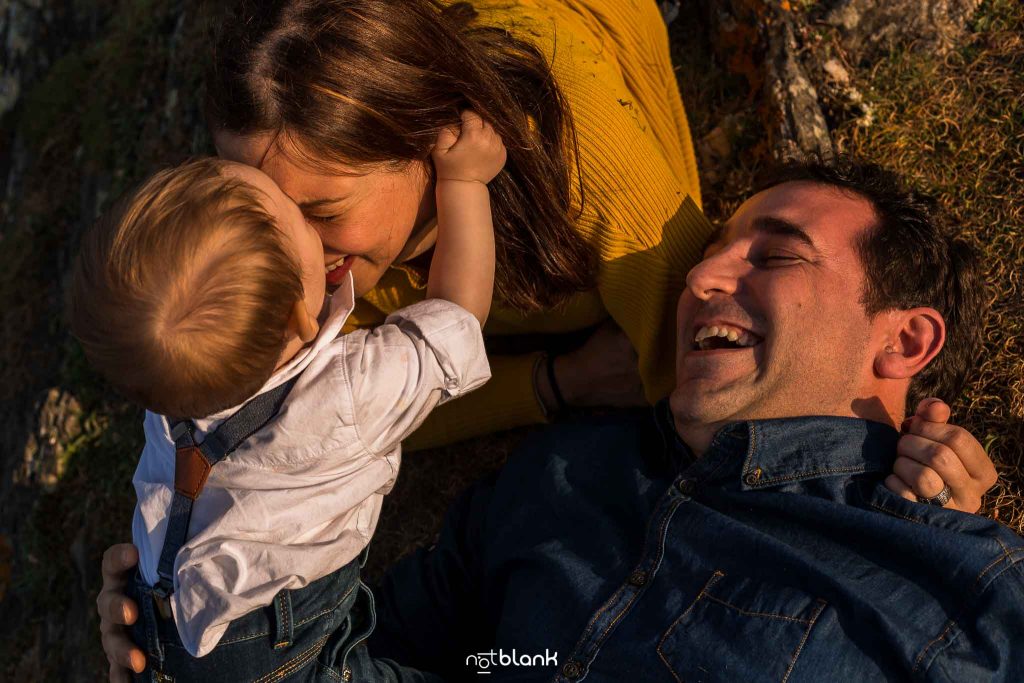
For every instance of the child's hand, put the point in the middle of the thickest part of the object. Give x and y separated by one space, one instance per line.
933 454
475 153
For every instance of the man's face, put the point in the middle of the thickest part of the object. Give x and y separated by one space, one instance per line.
771 323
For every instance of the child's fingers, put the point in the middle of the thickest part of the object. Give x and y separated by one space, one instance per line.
472 121
933 410
446 139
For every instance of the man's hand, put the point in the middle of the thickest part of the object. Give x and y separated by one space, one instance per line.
933 454
117 611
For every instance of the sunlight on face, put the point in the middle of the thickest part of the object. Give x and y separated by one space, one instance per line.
771 323
302 239
364 217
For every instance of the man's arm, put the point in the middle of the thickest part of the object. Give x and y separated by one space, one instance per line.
983 642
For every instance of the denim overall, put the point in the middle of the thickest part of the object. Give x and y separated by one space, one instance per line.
315 633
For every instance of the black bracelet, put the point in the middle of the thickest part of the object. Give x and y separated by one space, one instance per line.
559 399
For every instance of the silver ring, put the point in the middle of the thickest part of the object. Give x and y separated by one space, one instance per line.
940 498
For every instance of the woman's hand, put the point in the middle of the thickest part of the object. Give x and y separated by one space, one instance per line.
117 611
602 372
933 454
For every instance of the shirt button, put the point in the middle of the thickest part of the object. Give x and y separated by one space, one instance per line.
687 487
752 478
638 578
572 670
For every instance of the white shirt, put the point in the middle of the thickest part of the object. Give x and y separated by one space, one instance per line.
301 497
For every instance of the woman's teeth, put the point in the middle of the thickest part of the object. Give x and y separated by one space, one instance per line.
337 264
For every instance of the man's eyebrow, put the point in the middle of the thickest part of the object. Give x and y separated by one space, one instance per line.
783 228
317 203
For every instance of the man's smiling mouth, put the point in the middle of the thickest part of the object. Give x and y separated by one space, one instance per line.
723 336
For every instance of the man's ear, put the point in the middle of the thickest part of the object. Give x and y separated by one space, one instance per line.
915 337
302 323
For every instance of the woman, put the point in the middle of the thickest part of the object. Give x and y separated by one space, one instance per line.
596 214
339 103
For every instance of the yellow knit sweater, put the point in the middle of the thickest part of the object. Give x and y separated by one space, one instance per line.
611 61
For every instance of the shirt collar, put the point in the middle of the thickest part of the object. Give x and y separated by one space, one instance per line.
338 306
766 453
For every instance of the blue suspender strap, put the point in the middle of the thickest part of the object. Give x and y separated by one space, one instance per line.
192 465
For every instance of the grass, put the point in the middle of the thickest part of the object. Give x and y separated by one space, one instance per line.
102 118
956 126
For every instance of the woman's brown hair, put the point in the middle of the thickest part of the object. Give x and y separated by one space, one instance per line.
367 82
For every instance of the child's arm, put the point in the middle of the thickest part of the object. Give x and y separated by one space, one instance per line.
462 268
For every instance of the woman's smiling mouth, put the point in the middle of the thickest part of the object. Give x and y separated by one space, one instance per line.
337 271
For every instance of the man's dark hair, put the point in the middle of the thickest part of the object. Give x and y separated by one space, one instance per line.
912 258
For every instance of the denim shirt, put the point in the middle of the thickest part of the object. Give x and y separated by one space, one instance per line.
777 556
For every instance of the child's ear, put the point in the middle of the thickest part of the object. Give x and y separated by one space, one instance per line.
304 324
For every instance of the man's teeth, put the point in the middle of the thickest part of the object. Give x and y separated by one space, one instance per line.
737 336
337 264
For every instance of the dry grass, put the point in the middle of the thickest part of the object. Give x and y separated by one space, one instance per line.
956 126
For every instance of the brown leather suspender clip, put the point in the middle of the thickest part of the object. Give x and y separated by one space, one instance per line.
191 468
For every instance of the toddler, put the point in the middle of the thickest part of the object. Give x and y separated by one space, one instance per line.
271 437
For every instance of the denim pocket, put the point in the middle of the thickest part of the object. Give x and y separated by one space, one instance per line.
738 629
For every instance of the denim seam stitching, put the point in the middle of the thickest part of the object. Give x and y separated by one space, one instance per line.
294 664
885 510
283 640
250 636
239 639
331 672
747 613
329 609
362 637
810 473
954 622
659 552
1007 556
615 596
751 447
715 578
803 641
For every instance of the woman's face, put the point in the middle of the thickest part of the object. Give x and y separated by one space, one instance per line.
365 219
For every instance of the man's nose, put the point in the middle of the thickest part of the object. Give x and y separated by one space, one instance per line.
718 274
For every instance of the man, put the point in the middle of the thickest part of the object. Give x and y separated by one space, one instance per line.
742 531
716 541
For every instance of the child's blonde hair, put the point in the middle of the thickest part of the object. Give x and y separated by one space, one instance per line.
183 291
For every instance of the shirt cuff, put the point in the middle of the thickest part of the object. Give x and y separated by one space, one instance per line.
455 338
506 402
